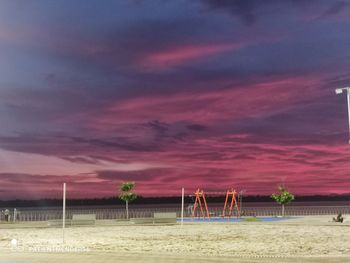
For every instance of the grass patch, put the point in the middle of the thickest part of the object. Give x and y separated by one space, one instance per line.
252 219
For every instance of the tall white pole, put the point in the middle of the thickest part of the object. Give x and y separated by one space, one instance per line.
348 96
182 205
64 210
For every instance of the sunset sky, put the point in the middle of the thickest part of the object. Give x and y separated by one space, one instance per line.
171 94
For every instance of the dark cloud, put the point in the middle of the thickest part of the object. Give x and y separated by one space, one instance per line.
158 126
116 143
251 11
67 146
335 8
196 127
244 9
81 159
137 176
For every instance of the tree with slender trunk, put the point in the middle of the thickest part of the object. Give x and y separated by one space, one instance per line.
283 197
127 195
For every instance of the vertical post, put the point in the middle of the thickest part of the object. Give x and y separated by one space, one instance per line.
240 196
195 203
206 206
225 205
200 204
182 205
14 215
348 97
127 209
64 210
233 201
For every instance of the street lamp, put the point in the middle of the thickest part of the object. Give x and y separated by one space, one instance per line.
339 91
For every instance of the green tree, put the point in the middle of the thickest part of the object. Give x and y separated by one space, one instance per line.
127 195
282 196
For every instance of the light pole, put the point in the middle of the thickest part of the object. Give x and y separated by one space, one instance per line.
64 211
339 91
182 205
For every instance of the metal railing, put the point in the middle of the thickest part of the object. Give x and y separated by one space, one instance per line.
119 213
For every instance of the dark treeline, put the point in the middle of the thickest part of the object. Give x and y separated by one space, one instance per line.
156 200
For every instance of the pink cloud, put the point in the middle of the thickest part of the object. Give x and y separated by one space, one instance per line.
258 176
181 54
212 164
251 100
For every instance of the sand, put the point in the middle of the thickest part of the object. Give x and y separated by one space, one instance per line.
307 237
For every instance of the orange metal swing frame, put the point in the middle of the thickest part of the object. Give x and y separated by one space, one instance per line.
200 197
230 193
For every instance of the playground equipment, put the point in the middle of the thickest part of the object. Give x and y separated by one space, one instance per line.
201 202
200 197
230 193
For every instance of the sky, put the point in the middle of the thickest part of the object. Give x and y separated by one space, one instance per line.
169 94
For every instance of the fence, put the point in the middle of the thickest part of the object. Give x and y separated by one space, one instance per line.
119 213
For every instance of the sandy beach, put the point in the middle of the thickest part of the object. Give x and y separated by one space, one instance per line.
312 238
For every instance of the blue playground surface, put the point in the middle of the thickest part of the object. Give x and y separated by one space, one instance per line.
234 219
